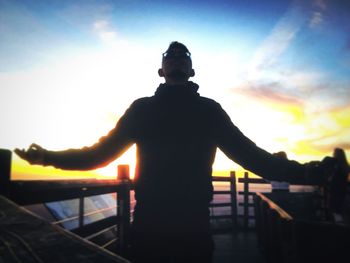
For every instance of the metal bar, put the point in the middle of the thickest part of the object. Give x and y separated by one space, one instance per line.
123 210
247 204
85 214
233 199
246 200
221 217
249 216
81 211
219 204
110 242
252 180
91 228
249 193
272 205
222 192
99 232
221 179
28 192
100 210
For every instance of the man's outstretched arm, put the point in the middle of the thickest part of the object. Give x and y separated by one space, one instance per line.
87 158
243 151
100 154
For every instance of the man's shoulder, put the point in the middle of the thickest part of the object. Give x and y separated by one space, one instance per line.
141 102
208 102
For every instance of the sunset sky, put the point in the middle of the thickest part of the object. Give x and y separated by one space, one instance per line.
70 69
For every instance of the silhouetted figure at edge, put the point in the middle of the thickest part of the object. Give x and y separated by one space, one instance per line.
339 197
280 186
177 133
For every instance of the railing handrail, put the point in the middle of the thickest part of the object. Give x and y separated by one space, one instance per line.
97 211
39 191
246 180
272 205
32 192
233 198
253 180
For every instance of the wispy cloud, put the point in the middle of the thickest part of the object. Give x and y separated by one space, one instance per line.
278 40
290 87
100 25
316 19
105 31
268 92
317 13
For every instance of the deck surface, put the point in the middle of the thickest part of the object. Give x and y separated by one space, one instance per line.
240 247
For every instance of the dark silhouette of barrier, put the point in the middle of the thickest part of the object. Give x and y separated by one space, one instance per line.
273 224
233 200
5 170
41 191
38 191
297 233
248 197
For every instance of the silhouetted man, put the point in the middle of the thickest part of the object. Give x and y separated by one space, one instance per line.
177 133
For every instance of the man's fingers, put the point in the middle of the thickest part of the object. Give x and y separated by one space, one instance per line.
35 146
21 153
34 154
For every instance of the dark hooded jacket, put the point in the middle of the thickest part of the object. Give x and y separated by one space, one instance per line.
177 132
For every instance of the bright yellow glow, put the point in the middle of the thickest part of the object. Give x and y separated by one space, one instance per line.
21 170
71 103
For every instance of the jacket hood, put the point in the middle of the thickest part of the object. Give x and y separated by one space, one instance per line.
188 90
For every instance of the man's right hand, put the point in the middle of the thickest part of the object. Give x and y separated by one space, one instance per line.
34 154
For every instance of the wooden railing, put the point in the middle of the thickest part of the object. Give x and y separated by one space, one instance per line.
248 194
248 197
233 200
297 233
25 193
32 192
37 192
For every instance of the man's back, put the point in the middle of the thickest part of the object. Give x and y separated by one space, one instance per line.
176 144
175 139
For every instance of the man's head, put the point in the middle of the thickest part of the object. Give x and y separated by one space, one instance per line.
176 64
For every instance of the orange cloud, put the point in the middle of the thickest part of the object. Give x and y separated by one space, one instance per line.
270 92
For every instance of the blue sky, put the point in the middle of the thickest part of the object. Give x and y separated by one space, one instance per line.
281 69
43 25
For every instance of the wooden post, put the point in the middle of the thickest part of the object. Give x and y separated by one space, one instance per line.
246 201
81 211
123 172
258 213
233 200
5 171
123 209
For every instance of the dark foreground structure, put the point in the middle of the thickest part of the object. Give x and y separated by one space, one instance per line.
262 227
292 227
24 237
